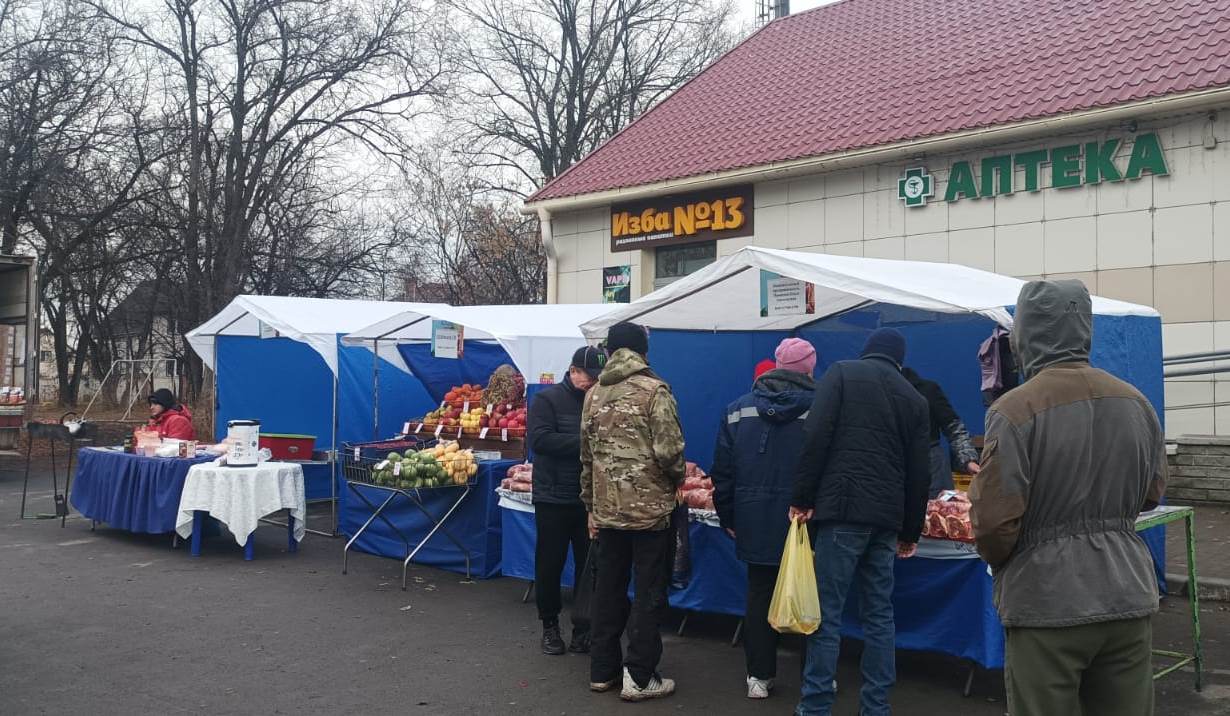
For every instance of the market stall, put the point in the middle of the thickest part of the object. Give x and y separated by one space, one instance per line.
710 328
279 359
475 362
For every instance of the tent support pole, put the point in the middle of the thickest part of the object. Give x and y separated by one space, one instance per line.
333 459
375 389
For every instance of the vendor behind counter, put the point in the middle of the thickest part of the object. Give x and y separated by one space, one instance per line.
168 417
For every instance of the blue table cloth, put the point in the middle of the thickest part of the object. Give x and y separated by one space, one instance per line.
476 523
137 494
941 605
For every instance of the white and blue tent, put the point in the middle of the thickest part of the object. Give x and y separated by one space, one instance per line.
538 339
279 359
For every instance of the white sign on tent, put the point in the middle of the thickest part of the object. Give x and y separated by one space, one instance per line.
447 340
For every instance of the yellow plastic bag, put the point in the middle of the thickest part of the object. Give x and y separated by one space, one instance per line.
795 608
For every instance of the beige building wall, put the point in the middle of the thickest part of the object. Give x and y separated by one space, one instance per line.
1159 241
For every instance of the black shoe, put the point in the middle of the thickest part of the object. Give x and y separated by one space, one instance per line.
552 642
580 642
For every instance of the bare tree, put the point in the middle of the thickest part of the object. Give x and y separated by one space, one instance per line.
552 79
258 91
467 238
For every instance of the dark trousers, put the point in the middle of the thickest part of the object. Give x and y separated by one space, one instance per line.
648 555
1095 669
558 527
760 639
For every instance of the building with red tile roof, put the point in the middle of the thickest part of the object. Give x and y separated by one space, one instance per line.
1084 139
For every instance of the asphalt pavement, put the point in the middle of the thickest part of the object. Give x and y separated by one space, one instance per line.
107 622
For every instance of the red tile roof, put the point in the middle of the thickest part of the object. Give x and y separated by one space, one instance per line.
863 73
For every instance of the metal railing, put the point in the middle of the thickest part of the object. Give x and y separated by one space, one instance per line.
1175 367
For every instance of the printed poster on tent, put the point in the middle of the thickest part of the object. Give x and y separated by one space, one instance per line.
782 296
447 340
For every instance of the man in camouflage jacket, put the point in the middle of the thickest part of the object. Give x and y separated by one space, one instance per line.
631 469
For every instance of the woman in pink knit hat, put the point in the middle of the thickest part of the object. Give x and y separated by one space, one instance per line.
754 462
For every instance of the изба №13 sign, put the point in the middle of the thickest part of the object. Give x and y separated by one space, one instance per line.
1069 166
683 218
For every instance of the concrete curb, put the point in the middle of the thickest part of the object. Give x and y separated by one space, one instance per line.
1212 589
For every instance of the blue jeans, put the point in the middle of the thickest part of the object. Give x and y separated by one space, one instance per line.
849 555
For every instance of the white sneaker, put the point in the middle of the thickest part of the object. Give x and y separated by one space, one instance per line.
758 688
657 688
601 687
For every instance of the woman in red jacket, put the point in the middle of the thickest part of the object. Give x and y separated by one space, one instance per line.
169 418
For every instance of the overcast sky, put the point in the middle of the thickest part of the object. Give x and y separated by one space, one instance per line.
747 8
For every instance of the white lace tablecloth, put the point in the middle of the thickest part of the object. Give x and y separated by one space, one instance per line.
240 496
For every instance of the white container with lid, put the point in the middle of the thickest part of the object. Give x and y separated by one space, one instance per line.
244 439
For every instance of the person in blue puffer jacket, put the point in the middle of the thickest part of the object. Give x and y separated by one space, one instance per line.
754 466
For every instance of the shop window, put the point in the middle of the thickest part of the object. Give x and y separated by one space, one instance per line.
672 263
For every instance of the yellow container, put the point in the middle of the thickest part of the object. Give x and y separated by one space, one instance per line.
961 481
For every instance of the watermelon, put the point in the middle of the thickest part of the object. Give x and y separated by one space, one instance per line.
392 457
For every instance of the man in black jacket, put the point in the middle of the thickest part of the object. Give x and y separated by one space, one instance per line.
863 478
945 421
554 432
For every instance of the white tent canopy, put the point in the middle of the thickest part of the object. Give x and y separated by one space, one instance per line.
725 296
539 338
314 321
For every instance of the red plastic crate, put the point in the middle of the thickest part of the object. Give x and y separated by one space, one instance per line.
289 447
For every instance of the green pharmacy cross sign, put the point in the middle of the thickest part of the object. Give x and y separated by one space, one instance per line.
1069 166
915 187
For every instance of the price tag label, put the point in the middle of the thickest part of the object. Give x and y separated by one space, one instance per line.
397 468
490 408
504 434
356 453
482 434
419 429
459 433
465 407
382 464
405 429
443 404
439 429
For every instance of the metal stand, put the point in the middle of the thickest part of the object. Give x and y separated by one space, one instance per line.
54 432
415 499
529 590
1165 515
969 680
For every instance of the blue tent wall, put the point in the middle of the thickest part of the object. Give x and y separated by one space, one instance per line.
287 386
439 375
283 383
941 347
402 396
709 370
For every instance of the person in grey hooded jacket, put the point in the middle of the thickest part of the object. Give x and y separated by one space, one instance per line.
1072 457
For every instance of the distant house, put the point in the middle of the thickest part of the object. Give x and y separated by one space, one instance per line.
147 348
146 337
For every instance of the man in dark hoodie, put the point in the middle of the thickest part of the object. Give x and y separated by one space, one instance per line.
1071 458
754 463
863 477
554 434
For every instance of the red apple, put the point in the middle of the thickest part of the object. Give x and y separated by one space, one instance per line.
503 422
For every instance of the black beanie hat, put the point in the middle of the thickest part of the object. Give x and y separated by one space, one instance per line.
163 397
886 343
628 335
